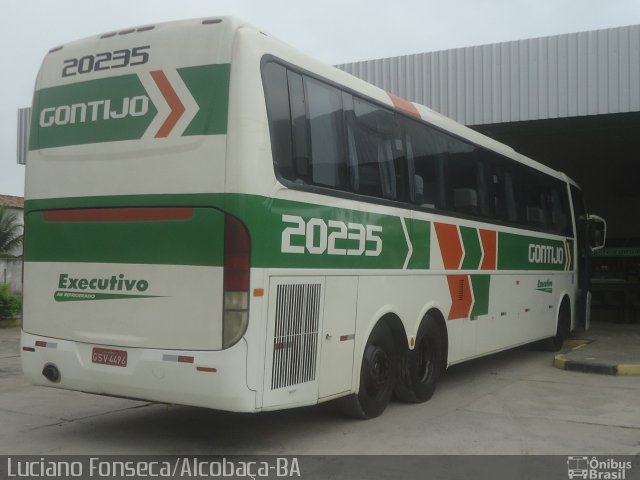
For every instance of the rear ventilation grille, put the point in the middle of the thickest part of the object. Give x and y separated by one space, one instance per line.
295 342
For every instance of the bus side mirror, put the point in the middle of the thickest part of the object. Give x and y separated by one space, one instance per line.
597 232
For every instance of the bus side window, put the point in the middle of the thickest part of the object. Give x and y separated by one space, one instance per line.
483 185
546 203
300 129
463 170
324 114
501 190
510 197
534 197
371 134
277 99
425 150
558 206
556 215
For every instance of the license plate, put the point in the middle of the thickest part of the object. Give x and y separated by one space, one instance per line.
109 356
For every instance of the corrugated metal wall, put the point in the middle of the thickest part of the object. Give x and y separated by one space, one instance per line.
577 74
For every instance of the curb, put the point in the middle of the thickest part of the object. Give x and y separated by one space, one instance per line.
11 323
561 362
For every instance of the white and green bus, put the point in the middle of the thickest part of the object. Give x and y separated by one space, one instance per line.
215 219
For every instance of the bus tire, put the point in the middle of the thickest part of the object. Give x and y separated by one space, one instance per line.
553 344
378 375
423 365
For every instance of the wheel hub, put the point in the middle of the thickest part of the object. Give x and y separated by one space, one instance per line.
377 370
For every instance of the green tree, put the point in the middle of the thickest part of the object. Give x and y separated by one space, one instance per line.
10 232
10 305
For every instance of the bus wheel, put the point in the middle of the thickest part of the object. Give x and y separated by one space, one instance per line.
377 376
563 329
423 365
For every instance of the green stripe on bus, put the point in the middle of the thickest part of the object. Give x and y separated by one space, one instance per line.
525 252
480 285
209 85
325 237
420 234
319 236
198 241
472 248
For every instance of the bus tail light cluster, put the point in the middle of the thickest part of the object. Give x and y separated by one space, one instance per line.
237 249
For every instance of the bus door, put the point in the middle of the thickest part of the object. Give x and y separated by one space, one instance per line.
583 259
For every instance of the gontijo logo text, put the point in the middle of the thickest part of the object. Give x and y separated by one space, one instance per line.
106 288
94 110
546 254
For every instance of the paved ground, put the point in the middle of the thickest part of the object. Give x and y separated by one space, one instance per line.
515 402
615 350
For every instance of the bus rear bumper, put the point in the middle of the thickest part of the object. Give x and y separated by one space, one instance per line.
210 379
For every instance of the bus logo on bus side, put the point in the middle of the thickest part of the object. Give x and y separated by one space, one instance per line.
105 288
546 254
545 286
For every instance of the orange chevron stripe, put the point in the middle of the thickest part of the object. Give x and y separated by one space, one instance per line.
172 99
450 245
404 105
461 296
489 247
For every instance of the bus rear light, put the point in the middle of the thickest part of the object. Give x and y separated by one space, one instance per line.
237 251
234 324
28 349
236 300
236 255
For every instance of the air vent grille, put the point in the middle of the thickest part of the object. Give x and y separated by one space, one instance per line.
295 343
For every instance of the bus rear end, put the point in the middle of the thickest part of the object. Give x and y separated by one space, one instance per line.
136 276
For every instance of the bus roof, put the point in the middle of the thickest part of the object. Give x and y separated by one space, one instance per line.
233 24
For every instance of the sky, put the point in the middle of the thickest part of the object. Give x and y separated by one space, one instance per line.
334 31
